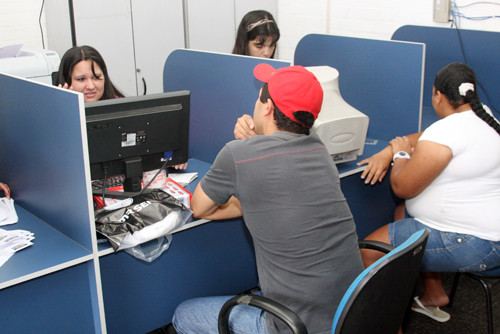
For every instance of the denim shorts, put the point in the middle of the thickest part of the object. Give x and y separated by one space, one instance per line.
448 251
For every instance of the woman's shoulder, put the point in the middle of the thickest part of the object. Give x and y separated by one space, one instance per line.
453 120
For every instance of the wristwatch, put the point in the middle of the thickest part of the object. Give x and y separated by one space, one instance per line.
401 155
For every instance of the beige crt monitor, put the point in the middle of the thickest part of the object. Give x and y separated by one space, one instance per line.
341 127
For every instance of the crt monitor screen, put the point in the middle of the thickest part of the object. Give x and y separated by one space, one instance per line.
132 135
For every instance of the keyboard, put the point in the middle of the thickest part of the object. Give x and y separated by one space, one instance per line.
111 182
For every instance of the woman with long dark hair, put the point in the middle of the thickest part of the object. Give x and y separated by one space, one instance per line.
257 35
83 69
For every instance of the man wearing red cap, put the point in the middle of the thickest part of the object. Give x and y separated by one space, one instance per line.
286 186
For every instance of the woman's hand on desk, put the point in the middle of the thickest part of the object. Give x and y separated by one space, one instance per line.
244 127
181 166
377 166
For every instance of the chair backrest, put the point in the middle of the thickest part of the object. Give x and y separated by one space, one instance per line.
378 298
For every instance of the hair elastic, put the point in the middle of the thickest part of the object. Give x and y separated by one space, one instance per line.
258 23
465 87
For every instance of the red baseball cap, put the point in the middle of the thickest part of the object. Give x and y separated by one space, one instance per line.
292 89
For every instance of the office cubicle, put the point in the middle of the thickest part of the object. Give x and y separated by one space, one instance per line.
384 80
478 49
43 159
222 89
211 259
115 292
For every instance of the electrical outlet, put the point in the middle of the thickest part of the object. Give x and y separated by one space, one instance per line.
441 11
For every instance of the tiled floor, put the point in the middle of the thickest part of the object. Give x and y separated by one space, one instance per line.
468 314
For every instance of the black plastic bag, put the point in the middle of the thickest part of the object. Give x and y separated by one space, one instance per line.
153 214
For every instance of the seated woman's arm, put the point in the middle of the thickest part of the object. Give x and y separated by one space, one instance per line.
378 164
410 177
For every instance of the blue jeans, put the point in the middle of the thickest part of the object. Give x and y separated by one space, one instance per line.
448 251
199 315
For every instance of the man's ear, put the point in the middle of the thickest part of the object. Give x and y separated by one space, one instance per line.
269 109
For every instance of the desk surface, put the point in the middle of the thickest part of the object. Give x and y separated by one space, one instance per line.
51 251
372 146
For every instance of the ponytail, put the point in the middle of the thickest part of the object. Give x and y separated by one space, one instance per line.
457 82
476 105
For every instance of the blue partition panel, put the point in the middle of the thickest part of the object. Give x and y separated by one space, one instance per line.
371 206
479 49
222 89
382 79
42 156
207 260
56 303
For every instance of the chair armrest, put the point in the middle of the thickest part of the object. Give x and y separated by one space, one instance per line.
376 245
291 319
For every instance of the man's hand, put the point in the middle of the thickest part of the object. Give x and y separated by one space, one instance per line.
244 127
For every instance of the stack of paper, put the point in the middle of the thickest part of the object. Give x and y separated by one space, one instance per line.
183 178
8 213
13 241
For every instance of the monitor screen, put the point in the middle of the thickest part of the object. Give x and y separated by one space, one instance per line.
131 135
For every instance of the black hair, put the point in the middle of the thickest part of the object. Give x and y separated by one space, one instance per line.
77 54
247 32
285 123
447 81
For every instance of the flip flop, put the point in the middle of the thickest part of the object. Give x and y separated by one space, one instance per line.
433 312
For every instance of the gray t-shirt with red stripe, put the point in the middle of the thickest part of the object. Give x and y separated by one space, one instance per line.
304 235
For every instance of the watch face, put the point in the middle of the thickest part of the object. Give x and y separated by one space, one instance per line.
401 154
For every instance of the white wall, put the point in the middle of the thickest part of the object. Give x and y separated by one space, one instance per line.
366 18
357 18
19 23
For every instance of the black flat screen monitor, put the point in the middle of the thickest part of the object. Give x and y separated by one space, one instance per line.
132 135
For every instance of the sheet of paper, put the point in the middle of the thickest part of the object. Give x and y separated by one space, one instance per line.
8 213
10 50
183 178
13 241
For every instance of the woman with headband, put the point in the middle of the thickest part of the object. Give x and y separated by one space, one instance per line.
257 35
449 176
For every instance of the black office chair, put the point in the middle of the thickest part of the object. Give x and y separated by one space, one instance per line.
53 76
376 302
487 283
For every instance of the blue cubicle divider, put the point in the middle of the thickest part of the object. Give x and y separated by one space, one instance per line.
42 154
55 303
382 79
222 89
479 49
43 158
